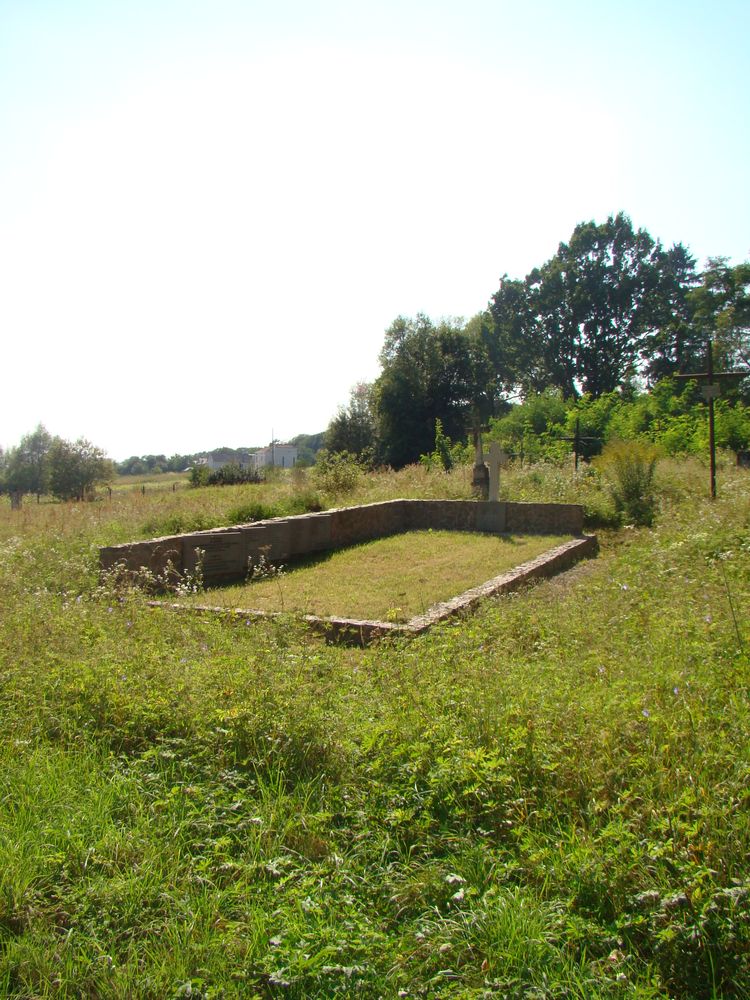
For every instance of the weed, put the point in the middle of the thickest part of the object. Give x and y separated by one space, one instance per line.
629 468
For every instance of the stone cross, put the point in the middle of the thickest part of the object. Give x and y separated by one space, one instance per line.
495 460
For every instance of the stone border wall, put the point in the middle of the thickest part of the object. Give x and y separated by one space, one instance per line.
225 553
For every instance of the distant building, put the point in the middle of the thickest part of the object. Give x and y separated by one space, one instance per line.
218 459
282 456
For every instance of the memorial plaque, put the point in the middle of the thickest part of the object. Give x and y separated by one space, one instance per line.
222 555
270 540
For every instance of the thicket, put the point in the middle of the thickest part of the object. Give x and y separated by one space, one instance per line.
672 415
231 474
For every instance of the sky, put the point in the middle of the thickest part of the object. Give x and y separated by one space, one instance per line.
211 210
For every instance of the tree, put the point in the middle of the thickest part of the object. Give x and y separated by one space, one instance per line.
429 372
674 343
721 310
26 467
353 428
609 306
75 468
614 277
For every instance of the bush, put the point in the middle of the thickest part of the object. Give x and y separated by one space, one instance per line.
629 467
336 472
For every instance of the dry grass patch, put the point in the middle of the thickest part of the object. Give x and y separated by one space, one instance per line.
389 579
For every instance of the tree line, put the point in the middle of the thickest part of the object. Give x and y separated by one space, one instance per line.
42 464
612 311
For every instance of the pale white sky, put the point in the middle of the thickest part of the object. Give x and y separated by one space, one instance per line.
210 210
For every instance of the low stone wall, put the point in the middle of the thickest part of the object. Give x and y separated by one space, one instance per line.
225 553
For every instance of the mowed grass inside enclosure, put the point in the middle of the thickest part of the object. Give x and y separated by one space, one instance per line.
393 578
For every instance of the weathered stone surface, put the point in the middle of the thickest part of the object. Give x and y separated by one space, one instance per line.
352 525
544 518
220 555
490 517
161 557
270 539
309 533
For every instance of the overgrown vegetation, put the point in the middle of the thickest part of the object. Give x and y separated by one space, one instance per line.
547 799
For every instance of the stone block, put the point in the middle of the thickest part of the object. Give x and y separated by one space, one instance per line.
271 539
490 517
309 533
220 553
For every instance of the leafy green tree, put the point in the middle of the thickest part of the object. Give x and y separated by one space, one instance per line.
608 306
532 429
76 468
674 342
353 428
721 308
614 277
26 467
429 372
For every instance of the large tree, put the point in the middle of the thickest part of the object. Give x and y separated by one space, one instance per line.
673 343
588 319
429 372
76 468
353 427
26 467
721 308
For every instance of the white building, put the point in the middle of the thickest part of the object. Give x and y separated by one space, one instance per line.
283 456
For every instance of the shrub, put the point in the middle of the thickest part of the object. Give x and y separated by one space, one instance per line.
336 472
629 467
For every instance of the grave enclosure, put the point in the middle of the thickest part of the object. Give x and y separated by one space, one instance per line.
225 554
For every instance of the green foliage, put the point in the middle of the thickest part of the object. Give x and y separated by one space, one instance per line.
352 430
231 474
76 468
672 415
199 475
429 372
721 304
336 473
589 317
442 455
26 469
629 468
308 445
154 464
532 429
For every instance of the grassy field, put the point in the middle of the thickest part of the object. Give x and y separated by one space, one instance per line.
548 799
389 579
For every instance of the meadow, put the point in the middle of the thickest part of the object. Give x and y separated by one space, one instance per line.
546 799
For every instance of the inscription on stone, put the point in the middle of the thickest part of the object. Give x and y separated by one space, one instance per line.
222 554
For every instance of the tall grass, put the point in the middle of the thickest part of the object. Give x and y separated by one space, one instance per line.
547 799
